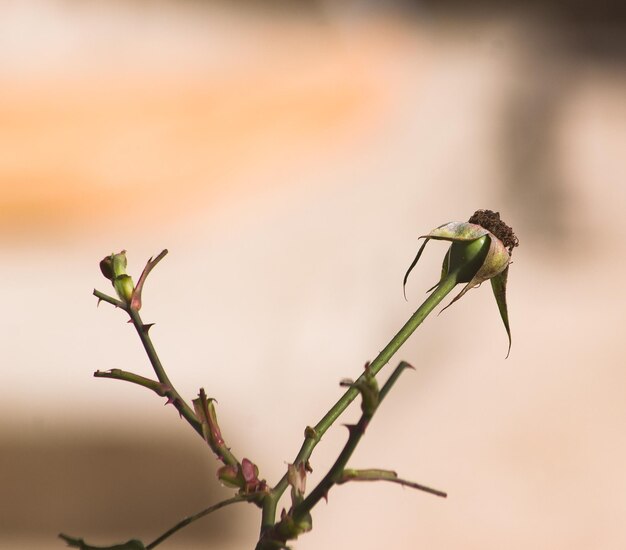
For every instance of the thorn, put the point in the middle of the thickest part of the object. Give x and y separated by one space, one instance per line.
146 327
352 428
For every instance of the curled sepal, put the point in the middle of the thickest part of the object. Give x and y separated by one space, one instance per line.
498 285
457 231
413 264
464 259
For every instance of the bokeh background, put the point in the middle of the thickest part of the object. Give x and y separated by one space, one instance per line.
289 154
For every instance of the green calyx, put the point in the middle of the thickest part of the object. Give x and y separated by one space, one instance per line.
466 257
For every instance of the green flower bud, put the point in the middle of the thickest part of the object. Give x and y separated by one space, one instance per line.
113 267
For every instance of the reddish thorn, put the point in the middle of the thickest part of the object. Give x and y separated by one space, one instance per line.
352 428
248 470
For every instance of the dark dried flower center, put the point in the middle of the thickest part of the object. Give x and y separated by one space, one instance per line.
491 222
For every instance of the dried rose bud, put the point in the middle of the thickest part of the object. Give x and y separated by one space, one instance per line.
481 250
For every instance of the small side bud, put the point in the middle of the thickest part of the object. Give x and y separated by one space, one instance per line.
368 387
229 476
113 267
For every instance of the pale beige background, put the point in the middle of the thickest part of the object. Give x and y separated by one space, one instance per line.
289 160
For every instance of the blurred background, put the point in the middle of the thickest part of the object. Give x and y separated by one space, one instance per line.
289 155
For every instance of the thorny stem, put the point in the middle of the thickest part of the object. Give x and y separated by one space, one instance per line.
102 297
183 408
119 374
142 330
315 434
356 433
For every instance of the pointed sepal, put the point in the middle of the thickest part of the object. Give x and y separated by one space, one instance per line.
498 284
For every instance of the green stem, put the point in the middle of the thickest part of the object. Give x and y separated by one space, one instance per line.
133 378
356 433
164 386
183 408
168 389
315 434
102 297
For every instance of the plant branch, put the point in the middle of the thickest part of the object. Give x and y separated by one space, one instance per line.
195 517
102 297
385 475
164 386
211 432
356 433
119 374
181 406
314 435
